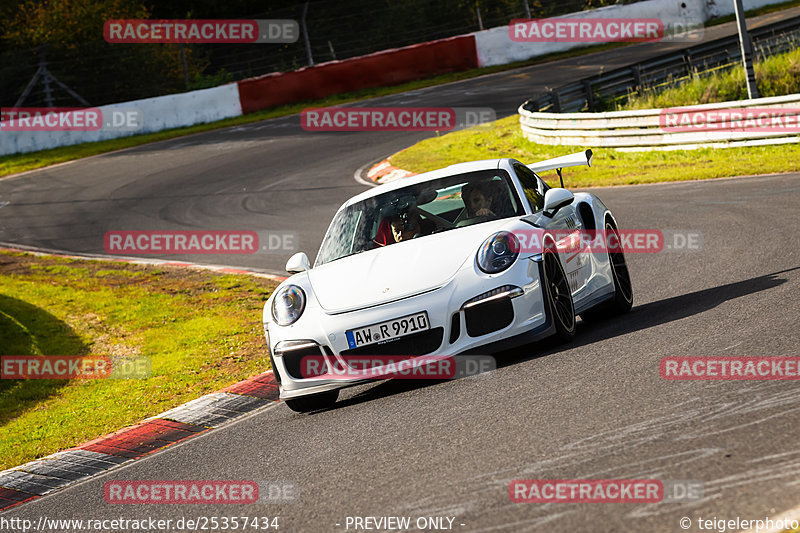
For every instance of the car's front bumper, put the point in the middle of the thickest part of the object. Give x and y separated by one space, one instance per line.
486 326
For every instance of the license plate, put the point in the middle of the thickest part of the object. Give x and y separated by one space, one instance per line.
391 329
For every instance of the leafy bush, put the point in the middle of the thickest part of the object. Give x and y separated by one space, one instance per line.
204 81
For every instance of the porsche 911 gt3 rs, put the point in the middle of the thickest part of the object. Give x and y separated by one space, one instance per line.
432 265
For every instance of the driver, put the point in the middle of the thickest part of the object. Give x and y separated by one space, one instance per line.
405 229
407 226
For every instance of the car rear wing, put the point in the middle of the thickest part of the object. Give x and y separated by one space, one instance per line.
572 160
557 163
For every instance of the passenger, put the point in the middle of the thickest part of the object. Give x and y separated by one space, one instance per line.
477 200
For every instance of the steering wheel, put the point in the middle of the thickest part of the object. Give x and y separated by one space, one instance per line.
436 218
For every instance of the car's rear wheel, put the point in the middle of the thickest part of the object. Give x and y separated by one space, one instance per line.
559 296
313 402
623 288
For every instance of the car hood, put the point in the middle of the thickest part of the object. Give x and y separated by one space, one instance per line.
396 271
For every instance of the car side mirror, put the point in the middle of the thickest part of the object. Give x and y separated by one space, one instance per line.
298 263
555 199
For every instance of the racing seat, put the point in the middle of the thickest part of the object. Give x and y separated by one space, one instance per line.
499 199
466 190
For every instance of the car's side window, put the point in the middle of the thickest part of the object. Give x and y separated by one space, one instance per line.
531 185
543 186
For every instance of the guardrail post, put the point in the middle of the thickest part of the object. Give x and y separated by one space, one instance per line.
747 51
305 35
637 79
587 88
687 60
556 101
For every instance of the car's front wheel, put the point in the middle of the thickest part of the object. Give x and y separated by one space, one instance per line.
313 402
559 296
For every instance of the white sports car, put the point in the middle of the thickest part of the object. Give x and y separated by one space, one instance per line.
431 265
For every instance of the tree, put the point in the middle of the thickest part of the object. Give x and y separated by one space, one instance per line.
66 22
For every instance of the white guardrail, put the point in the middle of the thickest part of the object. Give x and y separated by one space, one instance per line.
773 120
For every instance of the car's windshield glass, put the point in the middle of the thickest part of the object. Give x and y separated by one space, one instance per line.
420 210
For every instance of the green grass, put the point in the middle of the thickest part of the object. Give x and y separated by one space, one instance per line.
775 76
201 331
504 138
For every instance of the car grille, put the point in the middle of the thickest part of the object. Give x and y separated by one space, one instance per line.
292 359
421 343
487 317
455 328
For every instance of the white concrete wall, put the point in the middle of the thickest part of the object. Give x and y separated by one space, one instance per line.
719 8
155 114
495 47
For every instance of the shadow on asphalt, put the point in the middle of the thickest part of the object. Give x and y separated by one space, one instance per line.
675 308
640 318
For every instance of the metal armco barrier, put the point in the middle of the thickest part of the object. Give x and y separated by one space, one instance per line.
647 129
560 117
601 92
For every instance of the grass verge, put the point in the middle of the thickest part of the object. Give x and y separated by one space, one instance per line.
504 138
775 76
201 331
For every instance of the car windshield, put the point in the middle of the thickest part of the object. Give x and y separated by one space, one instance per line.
420 210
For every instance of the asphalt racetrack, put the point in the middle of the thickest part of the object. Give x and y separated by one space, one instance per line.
596 408
266 176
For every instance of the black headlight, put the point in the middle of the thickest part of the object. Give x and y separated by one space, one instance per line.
498 252
288 305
